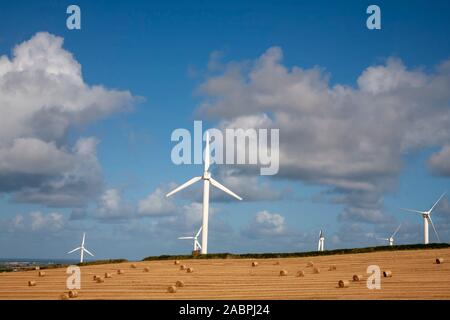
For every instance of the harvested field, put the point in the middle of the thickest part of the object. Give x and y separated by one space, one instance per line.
415 275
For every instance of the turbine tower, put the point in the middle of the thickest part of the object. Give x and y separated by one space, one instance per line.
426 215
390 240
320 246
82 249
207 180
196 243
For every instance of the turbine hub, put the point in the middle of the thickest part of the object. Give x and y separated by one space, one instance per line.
206 175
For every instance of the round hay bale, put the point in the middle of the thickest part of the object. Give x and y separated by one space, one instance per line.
179 284
120 271
133 266
276 263
439 260
176 262
31 283
283 273
172 289
387 273
310 264
316 270
182 267
41 274
343 283
73 294
146 269
108 275
332 268
190 270
37 268
95 277
64 296
254 264
300 273
100 280
357 277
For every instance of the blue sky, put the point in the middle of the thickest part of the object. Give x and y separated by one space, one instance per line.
165 55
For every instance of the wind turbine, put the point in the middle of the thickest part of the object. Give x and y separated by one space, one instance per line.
427 217
391 238
196 243
321 241
82 249
207 180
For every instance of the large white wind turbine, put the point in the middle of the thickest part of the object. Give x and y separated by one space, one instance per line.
427 217
196 243
82 249
390 240
320 246
206 181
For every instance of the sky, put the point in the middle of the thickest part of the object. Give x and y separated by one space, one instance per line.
87 117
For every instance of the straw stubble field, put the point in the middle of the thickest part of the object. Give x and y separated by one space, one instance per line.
415 275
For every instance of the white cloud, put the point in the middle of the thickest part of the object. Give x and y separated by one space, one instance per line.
42 96
439 162
156 204
112 206
37 221
265 224
352 140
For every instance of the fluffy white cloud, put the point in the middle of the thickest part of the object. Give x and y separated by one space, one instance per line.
439 162
113 206
42 96
351 140
36 222
265 224
156 204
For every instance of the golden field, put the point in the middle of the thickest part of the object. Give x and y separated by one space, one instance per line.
415 275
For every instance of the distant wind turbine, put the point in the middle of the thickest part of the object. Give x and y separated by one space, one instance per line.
206 181
82 249
427 217
320 246
390 240
196 243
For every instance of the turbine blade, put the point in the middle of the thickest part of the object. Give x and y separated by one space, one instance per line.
185 238
224 189
398 228
207 156
198 244
199 230
411 210
74 250
432 224
184 185
434 205
87 251
82 242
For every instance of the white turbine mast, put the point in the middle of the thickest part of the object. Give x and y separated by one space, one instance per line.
426 215
82 249
207 180
390 240
195 238
320 246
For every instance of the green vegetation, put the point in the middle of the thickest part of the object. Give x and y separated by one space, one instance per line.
300 254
